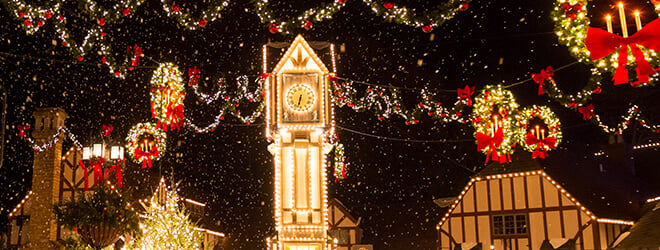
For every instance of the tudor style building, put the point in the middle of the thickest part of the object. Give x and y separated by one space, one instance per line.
520 206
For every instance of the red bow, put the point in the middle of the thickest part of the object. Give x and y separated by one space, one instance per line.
465 93
194 76
175 115
98 172
601 43
146 156
264 75
587 111
22 129
137 53
484 140
571 10
332 78
539 78
117 169
549 141
106 129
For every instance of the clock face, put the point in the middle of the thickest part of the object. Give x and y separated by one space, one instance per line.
300 98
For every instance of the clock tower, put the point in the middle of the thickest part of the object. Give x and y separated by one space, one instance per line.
299 118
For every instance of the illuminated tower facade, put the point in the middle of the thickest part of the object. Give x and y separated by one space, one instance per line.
299 117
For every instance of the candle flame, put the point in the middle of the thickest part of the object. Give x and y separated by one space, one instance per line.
636 12
608 17
620 4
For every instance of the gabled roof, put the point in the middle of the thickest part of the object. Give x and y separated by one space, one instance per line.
645 232
614 194
336 203
300 43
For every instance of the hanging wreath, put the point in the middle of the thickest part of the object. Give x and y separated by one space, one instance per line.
495 128
305 20
145 143
539 130
606 50
185 19
427 21
167 94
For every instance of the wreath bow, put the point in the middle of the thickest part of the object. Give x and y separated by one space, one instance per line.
539 78
549 141
106 129
175 115
193 74
22 129
146 156
587 111
492 142
465 93
601 43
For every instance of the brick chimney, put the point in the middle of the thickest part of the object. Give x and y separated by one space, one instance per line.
619 154
42 229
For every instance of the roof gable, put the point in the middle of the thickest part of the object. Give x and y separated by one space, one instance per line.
298 56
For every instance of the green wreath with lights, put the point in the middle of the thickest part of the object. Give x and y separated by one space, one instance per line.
571 22
494 122
539 130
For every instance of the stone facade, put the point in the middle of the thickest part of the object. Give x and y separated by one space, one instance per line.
42 229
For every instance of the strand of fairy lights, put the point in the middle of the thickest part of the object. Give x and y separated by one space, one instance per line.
55 138
34 18
185 19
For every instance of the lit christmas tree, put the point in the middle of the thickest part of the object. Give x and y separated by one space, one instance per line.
166 225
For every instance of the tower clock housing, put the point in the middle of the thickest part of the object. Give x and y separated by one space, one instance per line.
299 117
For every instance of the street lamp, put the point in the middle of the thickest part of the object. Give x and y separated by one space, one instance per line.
111 151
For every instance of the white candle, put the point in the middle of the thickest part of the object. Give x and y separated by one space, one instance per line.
638 21
608 18
622 16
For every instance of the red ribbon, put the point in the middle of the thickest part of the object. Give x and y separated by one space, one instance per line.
465 93
146 156
571 10
117 169
193 74
98 171
106 129
175 115
587 111
601 43
549 141
492 142
22 129
137 53
264 75
539 78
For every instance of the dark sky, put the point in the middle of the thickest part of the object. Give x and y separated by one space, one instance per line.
390 184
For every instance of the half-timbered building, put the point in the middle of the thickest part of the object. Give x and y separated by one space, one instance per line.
522 206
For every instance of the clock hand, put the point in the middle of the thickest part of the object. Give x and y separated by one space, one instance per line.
299 99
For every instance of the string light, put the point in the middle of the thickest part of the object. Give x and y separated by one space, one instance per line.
232 102
185 19
402 15
322 12
61 131
35 17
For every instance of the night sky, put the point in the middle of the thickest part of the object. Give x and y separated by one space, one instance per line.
391 183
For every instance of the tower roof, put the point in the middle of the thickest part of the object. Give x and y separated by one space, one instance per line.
300 46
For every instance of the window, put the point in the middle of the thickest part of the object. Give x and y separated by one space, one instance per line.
510 224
